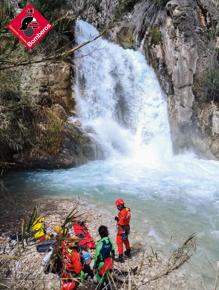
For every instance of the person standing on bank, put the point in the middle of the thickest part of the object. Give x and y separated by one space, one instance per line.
123 229
104 255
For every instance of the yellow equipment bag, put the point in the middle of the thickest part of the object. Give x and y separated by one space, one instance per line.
38 228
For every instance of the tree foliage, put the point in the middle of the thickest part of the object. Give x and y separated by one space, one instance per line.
50 8
161 3
155 35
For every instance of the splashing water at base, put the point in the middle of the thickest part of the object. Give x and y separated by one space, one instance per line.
120 102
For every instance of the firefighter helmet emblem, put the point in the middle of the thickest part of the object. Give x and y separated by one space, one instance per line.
29 23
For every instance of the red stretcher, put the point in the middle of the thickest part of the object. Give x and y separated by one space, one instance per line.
82 232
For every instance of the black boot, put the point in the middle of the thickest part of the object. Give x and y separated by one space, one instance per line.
120 259
128 253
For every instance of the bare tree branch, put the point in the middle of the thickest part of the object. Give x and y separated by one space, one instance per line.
55 57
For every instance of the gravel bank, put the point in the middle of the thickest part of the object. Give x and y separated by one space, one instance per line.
22 269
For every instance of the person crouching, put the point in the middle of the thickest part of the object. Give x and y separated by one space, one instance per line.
72 269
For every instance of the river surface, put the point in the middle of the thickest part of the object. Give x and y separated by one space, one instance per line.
120 103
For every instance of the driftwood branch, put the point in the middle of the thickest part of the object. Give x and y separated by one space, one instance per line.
178 258
6 163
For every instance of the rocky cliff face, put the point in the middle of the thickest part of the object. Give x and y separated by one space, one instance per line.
180 42
36 131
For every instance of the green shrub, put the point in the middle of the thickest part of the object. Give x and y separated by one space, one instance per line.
161 3
211 33
6 38
16 115
49 8
27 126
155 35
211 86
124 7
6 14
49 134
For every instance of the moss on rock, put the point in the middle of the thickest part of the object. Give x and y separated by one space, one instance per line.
124 6
49 134
155 35
126 38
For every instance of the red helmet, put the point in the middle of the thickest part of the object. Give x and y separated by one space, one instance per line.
119 202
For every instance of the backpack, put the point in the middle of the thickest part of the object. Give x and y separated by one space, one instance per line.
106 249
46 246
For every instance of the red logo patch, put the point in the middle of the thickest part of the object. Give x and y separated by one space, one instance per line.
29 26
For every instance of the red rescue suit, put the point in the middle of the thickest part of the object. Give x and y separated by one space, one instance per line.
72 268
123 227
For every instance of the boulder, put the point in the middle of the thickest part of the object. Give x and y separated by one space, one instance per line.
76 149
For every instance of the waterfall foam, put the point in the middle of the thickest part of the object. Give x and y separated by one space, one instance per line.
119 97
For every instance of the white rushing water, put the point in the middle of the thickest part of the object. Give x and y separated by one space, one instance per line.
119 97
119 101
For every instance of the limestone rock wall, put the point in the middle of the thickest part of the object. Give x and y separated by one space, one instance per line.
180 41
48 83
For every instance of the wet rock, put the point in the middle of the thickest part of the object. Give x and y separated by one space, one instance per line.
215 122
76 149
48 83
98 12
125 37
59 111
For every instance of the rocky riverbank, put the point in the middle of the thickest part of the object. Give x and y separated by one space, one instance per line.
22 268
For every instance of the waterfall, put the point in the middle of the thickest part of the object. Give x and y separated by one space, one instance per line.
119 99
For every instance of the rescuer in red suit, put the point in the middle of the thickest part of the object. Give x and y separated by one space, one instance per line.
123 229
72 271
